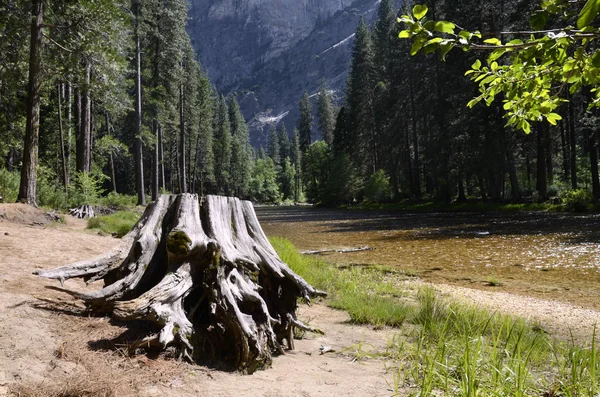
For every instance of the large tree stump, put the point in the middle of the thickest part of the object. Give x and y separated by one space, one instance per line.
206 274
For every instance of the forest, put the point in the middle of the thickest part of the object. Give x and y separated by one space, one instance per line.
107 99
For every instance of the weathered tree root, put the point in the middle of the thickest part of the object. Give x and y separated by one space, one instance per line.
207 275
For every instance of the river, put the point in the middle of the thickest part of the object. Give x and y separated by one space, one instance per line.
547 255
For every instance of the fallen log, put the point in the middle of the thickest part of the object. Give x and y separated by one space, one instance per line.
339 251
206 274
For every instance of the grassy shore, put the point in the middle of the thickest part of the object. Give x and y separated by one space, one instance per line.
445 348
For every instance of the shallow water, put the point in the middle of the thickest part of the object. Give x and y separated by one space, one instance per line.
549 255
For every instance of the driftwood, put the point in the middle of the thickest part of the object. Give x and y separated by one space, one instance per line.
205 273
83 212
339 251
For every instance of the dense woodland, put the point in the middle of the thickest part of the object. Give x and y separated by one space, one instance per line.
404 120
108 96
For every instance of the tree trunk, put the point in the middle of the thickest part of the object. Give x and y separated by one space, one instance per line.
181 157
417 173
573 144
28 185
206 274
541 181
162 158
65 175
591 139
83 138
564 144
139 160
69 94
111 160
155 161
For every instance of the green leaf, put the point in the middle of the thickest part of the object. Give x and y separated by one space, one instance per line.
429 25
419 11
405 34
492 41
435 40
444 27
596 59
539 19
588 13
526 127
445 48
476 65
465 35
496 54
416 46
553 117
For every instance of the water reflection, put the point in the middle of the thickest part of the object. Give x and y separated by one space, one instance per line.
552 255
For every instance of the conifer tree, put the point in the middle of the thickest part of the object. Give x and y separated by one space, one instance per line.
326 115
359 101
240 151
305 122
222 146
204 166
296 157
273 149
284 143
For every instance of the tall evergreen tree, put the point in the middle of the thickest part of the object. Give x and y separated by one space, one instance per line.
359 100
273 149
296 157
240 151
305 122
326 115
222 146
204 159
284 143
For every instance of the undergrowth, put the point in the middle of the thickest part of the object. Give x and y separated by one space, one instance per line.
446 348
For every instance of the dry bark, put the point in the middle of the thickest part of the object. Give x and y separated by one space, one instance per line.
207 274
83 211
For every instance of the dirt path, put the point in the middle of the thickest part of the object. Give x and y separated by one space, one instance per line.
42 351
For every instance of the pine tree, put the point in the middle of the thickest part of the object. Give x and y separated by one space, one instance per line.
305 122
296 157
222 146
326 115
359 100
204 160
273 149
284 143
240 151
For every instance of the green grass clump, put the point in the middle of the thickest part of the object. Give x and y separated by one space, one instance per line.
447 348
364 292
117 224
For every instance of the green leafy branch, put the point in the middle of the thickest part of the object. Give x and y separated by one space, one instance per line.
530 73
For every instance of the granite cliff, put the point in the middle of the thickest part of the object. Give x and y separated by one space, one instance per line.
267 52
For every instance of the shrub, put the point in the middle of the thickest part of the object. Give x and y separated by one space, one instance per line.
377 188
119 201
577 200
86 188
9 185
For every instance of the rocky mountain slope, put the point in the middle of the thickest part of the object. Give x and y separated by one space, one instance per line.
268 52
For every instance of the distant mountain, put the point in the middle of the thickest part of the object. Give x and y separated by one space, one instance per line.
267 52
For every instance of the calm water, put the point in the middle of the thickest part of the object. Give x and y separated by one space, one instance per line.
550 255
